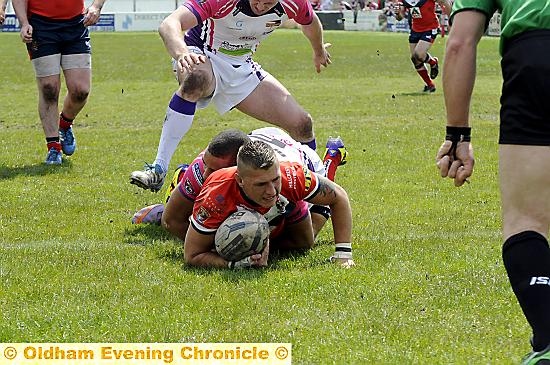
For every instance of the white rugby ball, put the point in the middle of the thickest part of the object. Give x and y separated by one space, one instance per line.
242 234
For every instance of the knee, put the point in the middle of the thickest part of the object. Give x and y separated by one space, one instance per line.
304 128
196 85
416 61
418 57
80 96
50 92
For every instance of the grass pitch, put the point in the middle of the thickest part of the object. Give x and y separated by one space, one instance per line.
429 286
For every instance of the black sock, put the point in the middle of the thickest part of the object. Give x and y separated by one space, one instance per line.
526 257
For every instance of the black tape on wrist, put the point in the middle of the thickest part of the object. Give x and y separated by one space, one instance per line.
458 134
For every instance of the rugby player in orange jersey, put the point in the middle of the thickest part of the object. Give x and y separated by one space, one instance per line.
280 191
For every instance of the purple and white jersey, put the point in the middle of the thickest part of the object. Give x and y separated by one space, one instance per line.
230 27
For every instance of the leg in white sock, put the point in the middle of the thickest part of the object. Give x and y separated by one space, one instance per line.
179 117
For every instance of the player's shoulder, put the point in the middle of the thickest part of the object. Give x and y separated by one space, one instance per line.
221 180
211 7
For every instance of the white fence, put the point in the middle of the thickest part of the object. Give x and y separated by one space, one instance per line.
128 6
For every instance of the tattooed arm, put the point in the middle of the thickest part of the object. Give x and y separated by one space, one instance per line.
333 195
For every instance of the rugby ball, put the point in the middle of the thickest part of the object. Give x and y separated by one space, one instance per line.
242 234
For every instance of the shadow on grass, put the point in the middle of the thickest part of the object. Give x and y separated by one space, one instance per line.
414 93
38 169
171 249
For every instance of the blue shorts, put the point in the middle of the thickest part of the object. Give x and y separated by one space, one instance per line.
429 36
525 110
64 37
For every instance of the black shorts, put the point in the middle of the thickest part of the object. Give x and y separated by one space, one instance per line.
525 100
51 37
429 36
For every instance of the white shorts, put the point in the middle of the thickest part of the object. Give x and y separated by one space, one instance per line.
52 64
308 156
235 79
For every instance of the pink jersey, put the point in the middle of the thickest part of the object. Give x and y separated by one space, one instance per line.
190 184
423 15
230 27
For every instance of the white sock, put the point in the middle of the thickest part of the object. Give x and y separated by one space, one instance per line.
179 117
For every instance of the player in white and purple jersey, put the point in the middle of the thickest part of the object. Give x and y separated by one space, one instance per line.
213 64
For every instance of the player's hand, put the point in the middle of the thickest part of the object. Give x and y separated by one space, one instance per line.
345 263
26 33
2 16
91 15
260 260
456 163
322 59
188 61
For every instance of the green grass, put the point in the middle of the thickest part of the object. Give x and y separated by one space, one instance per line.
429 286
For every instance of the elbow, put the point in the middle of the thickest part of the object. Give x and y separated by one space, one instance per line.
162 28
171 225
188 260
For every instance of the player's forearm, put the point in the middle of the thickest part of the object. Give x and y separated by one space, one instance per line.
206 259
459 69
98 4
341 218
314 33
171 33
20 8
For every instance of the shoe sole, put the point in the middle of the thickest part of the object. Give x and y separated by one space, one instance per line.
140 184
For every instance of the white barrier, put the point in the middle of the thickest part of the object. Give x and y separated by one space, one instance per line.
372 20
128 22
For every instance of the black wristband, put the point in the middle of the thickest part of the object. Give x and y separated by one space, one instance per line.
231 264
458 134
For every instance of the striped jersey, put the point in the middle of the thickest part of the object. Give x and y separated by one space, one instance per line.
230 27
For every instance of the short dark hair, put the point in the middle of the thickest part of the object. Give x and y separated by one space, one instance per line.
257 155
227 143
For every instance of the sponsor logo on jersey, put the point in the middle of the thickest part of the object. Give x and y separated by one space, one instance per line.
202 215
247 38
188 187
197 173
416 13
220 199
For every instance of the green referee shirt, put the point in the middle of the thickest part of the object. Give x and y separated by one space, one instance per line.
517 16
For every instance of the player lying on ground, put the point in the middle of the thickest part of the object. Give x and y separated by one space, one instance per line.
277 189
222 152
